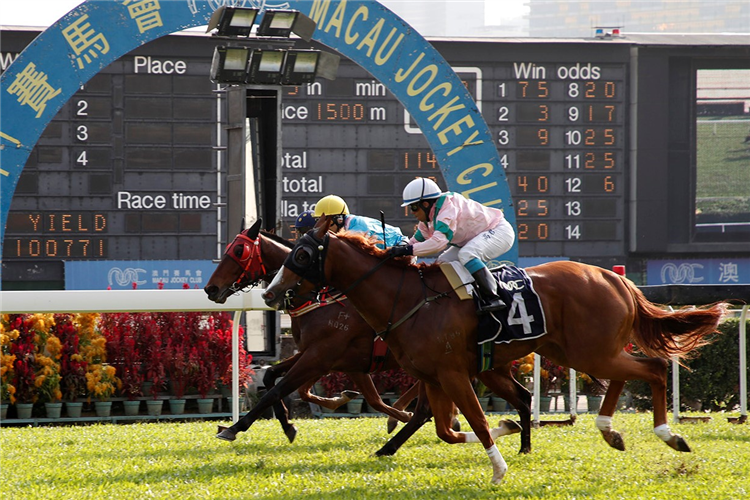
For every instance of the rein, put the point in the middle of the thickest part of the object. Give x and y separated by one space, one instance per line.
413 310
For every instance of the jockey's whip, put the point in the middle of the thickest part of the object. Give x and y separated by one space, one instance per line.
382 222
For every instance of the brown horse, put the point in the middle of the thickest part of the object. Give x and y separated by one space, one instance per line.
591 314
330 338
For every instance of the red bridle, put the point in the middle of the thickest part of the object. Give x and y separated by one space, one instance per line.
251 261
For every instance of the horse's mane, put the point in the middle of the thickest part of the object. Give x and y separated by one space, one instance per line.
368 245
278 239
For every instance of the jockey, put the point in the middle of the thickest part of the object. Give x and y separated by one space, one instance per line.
336 209
304 222
472 233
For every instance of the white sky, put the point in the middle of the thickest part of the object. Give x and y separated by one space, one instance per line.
46 12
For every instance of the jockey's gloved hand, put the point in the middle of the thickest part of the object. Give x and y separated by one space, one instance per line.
400 250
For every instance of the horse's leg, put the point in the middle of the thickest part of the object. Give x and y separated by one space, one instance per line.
652 370
402 402
422 414
504 385
464 397
370 393
307 367
604 419
273 372
330 403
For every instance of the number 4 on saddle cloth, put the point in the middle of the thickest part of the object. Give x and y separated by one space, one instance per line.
523 319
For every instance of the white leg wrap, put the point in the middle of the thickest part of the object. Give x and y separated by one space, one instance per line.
663 431
470 437
604 423
498 462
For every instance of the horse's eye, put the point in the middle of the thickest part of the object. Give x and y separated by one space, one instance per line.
302 257
238 250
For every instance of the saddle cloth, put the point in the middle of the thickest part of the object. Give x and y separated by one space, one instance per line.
523 319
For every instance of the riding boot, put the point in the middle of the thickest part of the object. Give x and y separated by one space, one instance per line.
485 287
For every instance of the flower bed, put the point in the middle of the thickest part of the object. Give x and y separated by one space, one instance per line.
47 357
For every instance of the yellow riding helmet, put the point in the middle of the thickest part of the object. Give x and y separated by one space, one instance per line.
331 205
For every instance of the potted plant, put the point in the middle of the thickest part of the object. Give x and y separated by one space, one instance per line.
24 350
594 390
47 376
206 375
123 336
102 383
7 375
72 365
153 360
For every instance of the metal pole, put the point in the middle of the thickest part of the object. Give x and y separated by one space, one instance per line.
743 361
573 392
236 366
675 387
537 376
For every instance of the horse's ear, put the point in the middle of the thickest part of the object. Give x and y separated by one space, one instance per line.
242 225
252 233
321 227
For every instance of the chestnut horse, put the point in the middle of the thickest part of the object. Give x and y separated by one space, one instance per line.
591 314
330 338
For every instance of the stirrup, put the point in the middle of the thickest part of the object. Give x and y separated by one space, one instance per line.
491 305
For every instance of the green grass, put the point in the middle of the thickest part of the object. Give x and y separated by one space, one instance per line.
333 458
723 168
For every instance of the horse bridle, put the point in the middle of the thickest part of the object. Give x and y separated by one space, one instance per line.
302 261
250 265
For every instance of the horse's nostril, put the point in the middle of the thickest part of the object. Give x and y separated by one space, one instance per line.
267 295
210 289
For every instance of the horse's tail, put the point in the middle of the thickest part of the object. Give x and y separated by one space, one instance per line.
661 333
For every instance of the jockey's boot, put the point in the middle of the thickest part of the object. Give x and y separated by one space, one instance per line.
486 288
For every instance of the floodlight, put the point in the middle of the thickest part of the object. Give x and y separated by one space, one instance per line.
282 23
233 21
230 64
302 66
265 66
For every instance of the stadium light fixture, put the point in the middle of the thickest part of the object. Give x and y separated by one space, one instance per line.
230 64
233 21
282 23
302 66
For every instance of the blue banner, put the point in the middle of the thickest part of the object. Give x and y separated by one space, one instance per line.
140 274
96 33
725 271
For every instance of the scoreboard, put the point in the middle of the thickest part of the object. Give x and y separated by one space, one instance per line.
596 149
559 124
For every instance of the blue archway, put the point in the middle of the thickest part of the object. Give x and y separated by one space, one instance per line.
54 66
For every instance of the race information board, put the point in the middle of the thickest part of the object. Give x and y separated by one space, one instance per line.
559 124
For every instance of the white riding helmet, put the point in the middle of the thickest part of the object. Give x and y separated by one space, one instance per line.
420 188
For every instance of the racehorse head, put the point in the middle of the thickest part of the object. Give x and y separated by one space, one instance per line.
241 266
306 262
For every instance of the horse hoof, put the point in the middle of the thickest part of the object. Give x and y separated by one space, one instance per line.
510 426
350 394
614 439
678 443
291 433
226 434
392 423
385 451
456 425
